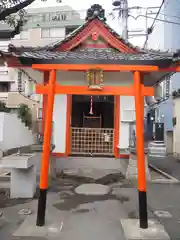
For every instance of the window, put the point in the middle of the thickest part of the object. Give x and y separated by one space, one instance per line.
63 17
17 36
30 19
57 32
52 33
4 86
46 17
24 34
20 88
59 17
174 121
39 113
166 87
70 29
45 33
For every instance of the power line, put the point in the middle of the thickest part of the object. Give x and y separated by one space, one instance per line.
166 4
167 15
154 21
157 19
157 14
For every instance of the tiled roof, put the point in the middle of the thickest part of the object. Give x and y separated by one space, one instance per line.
100 56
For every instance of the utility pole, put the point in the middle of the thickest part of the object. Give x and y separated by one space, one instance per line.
121 6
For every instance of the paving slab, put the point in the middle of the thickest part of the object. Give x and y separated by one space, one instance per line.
155 230
96 220
92 189
90 172
53 226
163 214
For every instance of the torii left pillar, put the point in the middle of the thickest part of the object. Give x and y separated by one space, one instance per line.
46 151
139 106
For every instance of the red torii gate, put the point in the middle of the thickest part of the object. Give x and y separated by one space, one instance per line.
138 90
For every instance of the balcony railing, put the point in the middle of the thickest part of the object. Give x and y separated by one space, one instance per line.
3 97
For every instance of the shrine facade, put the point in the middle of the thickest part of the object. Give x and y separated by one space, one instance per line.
93 84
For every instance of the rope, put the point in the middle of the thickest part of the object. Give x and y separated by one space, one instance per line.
91 106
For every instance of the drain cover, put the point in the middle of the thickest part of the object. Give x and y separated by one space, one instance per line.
163 214
92 189
25 212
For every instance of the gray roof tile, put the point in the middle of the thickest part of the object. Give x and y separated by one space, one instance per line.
109 54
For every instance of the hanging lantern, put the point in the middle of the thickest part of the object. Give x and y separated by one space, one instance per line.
95 79
91 106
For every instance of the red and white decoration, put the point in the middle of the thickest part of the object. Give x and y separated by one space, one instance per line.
91 106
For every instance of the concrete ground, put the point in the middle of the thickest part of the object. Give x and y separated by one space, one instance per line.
111 216
169 165
165 198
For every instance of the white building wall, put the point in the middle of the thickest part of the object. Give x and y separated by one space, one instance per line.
34 38
176 132
13 133
59 123
3 69
127 115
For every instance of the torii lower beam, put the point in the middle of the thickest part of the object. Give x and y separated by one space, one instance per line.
84 90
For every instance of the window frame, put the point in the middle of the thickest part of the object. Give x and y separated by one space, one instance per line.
42 37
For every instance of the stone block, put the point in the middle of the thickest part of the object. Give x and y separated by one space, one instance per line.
23 161
23 183
155 230
132 170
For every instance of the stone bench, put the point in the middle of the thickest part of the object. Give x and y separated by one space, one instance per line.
23 174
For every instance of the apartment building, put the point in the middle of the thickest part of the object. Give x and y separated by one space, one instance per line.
44 26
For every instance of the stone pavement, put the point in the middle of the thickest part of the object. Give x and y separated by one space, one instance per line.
169 165
113 215
164 199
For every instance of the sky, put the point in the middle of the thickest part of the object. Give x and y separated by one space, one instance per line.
107 5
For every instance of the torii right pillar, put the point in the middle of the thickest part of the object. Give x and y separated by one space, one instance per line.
139 106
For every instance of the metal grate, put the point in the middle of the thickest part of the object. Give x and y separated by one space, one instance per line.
94 141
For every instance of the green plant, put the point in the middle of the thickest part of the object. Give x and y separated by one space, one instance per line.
3 107
24 112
